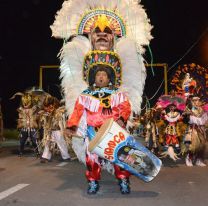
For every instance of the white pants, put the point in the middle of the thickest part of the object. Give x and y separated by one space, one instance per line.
61 143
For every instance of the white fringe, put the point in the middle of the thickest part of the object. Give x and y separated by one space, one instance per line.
117 99
90 103
172 119
93 104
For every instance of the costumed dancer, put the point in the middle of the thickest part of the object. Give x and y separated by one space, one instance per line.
27 122
171 114
188 85
53 122
98 103
191 79
151 131
31 103
137 126
195 137
171 136
101 28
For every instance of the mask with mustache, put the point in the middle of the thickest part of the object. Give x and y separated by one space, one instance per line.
102 40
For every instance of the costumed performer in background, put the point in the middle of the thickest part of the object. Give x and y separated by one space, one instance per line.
53 122
196 136
27 123
188 85
172 105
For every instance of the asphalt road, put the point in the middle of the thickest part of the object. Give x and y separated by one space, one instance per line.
55 184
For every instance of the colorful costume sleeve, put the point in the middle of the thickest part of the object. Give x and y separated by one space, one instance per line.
199 120
123 111
76 115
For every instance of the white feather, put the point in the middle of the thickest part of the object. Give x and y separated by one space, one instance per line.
133 72
72 56
137 23
79 148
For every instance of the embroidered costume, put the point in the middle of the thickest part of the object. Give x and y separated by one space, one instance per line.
27 122
110 104
172 105
195 137
106 43
151 130
171 136
53 123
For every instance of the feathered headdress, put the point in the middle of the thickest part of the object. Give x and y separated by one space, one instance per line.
108 58
129 23
167 100
126 18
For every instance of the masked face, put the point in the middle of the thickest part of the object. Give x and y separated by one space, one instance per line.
102 40
172 108
26 101
196 102
101 79
50 108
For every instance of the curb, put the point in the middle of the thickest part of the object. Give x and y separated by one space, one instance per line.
9 143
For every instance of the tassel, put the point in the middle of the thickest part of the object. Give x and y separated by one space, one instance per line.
90 103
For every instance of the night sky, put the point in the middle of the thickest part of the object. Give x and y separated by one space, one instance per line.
26 43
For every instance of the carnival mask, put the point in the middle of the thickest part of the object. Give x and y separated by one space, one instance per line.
50 104
26 100
49 108
102 40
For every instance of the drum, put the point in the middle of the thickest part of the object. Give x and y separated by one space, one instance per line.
114 143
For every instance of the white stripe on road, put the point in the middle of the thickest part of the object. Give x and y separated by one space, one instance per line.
12 190
62 164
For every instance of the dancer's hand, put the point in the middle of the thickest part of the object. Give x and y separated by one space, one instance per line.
121 123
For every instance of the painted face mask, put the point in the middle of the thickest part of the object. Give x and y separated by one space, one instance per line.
26 100
102 39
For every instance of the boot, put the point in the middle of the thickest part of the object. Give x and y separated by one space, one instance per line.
124 186
44 160
200 163
20 154
93 187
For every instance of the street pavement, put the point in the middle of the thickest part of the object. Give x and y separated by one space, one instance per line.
26 182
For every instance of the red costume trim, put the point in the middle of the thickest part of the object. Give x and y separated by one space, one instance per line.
96 119
93 171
